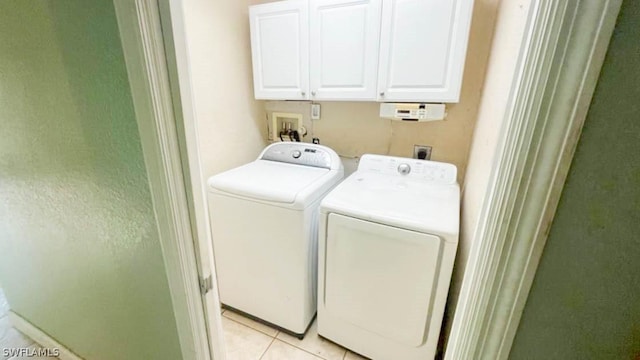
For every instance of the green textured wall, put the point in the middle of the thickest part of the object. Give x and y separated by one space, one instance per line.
79 251
585 299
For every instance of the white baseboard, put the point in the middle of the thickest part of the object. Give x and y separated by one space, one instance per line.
40 337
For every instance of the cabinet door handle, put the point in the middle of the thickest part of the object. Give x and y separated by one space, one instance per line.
313 93
382 94
303 93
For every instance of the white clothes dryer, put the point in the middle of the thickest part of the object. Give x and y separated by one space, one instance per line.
387 241
264 227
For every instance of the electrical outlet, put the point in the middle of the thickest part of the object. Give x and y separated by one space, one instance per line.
422 152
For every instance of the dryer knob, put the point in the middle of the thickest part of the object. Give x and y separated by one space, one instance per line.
404 169
296 154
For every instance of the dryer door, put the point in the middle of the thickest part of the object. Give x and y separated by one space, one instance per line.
381 278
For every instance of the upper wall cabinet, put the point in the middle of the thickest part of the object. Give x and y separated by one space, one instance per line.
360 50
422 49
344 39
280 49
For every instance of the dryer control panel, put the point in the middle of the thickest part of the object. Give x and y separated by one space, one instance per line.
302 154
421 170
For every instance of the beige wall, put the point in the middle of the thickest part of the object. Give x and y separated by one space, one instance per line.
355 128
230 122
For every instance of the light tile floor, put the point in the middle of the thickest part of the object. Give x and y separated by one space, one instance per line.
10 337
247 339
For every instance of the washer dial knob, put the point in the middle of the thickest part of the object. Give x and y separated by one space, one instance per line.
296 154
404 168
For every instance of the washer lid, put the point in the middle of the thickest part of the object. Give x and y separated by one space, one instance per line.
269 180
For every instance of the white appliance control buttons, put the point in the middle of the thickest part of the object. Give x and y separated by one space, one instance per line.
299 154
404 169
414 169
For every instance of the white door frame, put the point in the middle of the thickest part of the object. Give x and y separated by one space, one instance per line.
559 63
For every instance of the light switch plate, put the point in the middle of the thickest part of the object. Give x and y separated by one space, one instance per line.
315 111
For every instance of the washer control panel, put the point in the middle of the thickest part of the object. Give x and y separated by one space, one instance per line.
424 170
299 154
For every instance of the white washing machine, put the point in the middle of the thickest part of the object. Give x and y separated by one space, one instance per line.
387 242
264 219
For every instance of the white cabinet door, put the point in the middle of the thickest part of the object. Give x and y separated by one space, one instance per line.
280 49
345 36
422 49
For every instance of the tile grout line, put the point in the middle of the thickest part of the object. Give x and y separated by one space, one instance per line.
267 349
316 355
307 351
261 332
275 337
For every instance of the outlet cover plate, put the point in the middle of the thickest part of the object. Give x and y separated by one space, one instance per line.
418 148
315 111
